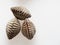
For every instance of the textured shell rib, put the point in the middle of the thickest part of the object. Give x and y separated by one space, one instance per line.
13 28
21 12
28 29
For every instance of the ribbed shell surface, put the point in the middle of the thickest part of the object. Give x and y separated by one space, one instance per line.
13 28
28 29
21 12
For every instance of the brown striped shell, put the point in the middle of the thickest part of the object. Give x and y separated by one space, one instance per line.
21 12
28 29
13 28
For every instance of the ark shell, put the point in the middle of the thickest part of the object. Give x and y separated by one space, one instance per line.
13 28
28 29
21 12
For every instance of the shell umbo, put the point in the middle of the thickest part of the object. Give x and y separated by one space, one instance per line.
13 28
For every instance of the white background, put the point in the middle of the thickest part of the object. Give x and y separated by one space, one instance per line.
45 16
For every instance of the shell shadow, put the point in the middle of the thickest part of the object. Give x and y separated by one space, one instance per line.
20 40
24 2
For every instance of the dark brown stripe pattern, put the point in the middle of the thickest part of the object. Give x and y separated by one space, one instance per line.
28 29
13 28
21 12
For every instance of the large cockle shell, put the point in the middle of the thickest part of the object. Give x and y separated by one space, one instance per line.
21 12
13 28
28 29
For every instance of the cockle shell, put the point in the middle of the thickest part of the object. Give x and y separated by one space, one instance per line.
13 28
21 12
28 29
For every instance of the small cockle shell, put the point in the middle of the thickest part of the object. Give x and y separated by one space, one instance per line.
21 12
13 28
28 29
